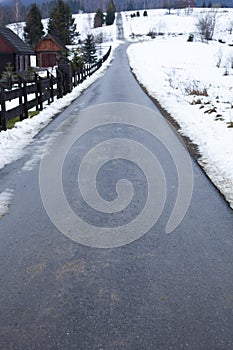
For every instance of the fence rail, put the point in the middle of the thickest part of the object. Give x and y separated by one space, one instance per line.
32 90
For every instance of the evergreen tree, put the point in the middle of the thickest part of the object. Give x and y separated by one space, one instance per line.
77 60
99 18
210 4
33 31
204 4
110 17
7 73
61 24
89 50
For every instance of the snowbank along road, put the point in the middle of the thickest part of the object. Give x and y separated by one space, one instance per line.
115 239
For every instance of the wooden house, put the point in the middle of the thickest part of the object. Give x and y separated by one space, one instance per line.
49 50
13 50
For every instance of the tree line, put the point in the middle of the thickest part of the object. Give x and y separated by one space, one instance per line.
61 23
17 11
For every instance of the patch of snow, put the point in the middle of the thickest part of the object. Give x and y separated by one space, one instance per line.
13 141
5 201
171 69
179 75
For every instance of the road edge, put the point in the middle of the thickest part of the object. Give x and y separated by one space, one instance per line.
191 147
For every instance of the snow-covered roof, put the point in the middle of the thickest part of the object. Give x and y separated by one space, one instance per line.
14 41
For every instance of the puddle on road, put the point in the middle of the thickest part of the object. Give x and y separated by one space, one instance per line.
5 201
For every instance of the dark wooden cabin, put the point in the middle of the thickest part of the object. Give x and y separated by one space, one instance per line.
49 50
13 50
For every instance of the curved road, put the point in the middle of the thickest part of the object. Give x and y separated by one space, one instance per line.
160 292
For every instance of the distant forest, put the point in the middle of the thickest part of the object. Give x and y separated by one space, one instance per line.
17 9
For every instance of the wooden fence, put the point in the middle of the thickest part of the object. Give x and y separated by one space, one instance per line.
31 90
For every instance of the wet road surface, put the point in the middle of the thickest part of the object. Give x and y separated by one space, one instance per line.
162 291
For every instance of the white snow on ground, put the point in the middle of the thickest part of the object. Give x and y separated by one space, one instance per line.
84 25
179 22
13 141
184 77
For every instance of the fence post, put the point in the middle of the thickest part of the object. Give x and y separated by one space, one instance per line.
48 90
64 66
50 95
25 101
23 81
51 88
21 93
37 93
40 94
75 83
59 84
3 108
80 80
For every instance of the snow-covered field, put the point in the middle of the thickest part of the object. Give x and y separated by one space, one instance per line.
183 76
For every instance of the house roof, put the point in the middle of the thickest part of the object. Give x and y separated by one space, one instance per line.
14 40
54 39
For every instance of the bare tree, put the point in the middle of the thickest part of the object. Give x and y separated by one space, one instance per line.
168 4
230 28
206 25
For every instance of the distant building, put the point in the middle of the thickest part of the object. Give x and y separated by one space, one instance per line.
13 50
49 50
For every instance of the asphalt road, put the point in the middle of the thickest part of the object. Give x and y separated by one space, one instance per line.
162 291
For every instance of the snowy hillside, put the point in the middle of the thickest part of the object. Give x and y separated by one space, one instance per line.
84 25
179 22
193 82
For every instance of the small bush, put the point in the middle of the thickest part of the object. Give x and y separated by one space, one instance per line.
195 89
230 124
219 57
196 102
211 110
152 34
172 78
226 72
190 38
219 117
206 25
